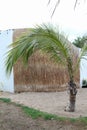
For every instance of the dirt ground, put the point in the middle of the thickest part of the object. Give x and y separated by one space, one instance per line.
13 118
52 102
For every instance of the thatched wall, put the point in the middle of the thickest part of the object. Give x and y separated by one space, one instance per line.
41 73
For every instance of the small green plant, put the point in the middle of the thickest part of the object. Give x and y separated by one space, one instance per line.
84 82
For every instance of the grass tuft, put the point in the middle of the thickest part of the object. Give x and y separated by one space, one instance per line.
36 114
83 120
7 100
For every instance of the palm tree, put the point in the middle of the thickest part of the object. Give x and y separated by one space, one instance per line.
47 39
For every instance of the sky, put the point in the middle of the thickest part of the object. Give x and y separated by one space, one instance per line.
28 13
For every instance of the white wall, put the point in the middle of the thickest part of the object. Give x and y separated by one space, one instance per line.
6 84
83 70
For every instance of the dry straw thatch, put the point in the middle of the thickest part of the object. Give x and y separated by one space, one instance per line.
41 73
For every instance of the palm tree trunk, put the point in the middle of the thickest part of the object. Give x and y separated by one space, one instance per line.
72 96
72 87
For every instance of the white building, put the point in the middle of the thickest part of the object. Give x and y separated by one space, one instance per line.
6 83
83 70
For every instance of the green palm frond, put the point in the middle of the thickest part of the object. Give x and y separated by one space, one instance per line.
45 38
19 49
51 41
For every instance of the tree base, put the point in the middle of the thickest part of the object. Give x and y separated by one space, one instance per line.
68 109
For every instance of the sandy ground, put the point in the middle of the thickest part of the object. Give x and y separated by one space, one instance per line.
52 102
